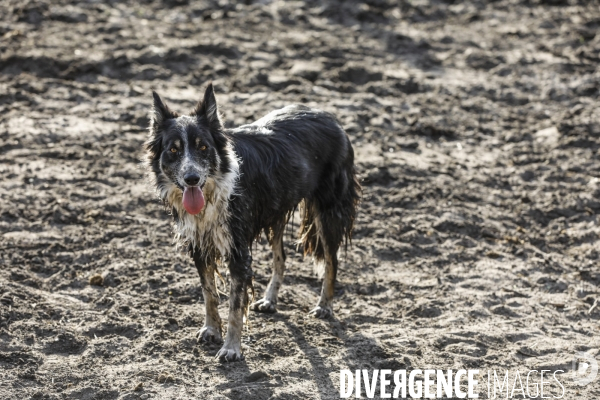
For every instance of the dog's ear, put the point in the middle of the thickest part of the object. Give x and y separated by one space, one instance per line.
160 112
208 109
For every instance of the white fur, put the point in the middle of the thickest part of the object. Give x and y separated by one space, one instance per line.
319 268
208 230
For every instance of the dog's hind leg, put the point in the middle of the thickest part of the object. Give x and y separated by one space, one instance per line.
333 214
241 282
268 303
211 331
321 240
328 267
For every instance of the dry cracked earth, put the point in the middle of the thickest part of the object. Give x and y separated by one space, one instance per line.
476 127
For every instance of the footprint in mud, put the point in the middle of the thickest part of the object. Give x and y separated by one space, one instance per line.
424 310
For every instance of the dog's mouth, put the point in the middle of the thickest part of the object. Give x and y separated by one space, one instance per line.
193 199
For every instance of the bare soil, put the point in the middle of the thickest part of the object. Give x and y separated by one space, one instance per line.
476 127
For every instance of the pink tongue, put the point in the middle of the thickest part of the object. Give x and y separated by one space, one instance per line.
193 200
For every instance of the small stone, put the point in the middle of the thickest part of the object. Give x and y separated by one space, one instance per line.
97 280
257 376
410 145
165 378
139 387
493 254
358 75
548 136
306 70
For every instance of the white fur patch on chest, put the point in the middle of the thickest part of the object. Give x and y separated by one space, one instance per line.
208 230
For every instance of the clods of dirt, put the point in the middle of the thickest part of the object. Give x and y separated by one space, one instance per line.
476 130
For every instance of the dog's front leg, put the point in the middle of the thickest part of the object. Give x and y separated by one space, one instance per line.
211 331
240 271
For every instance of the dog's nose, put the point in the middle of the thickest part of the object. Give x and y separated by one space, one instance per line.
191 179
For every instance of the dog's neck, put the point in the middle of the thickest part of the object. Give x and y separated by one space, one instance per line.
207 231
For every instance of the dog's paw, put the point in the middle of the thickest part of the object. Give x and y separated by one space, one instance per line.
229 354
209 334
321 312
263 305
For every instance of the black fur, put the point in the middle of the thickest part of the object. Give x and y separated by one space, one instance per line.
308 157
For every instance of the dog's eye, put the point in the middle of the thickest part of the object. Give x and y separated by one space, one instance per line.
203 147
173 150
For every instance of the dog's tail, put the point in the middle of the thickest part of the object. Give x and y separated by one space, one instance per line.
327 218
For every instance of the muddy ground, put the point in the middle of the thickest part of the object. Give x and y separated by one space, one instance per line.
476 128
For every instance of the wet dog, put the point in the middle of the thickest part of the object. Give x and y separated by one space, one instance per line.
224 187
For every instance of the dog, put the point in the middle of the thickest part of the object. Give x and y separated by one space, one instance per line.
224 187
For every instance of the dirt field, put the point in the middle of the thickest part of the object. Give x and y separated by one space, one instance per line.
477 131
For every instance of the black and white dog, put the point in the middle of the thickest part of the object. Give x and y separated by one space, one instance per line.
226 186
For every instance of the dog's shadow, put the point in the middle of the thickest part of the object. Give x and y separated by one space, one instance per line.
370 352
359 352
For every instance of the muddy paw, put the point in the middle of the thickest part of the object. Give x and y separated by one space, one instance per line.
263 305
209 334
321 312
229 354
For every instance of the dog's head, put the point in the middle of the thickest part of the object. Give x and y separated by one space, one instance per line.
184 151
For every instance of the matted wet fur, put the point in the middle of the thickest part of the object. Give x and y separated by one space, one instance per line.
253 177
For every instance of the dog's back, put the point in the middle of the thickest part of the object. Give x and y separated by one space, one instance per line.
293 154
